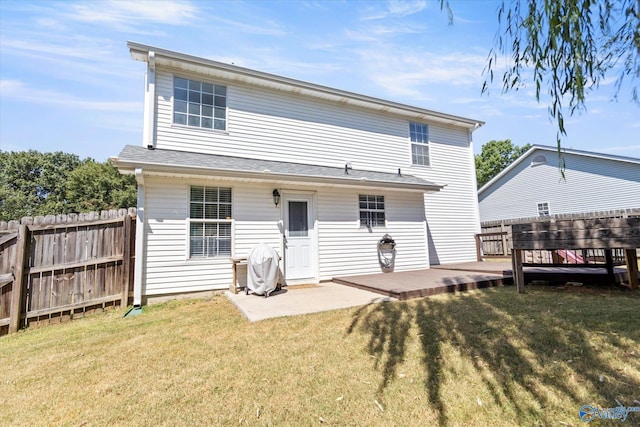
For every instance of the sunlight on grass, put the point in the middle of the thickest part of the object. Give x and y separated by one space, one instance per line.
490 357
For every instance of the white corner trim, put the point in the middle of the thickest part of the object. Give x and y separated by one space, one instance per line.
138 276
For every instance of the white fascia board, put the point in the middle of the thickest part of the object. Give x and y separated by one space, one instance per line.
588 154
507 169
267 176
219 70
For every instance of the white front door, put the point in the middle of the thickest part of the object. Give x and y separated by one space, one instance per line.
299 255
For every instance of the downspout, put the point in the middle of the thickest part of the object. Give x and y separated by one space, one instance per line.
148 140
476 205
140 243
148 134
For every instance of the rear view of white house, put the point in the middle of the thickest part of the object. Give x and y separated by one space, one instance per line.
233 157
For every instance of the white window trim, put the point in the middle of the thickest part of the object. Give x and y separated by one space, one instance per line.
548 209
224 131
384 211
427 145
208 259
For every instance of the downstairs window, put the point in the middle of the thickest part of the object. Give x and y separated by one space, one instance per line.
371 211
209 221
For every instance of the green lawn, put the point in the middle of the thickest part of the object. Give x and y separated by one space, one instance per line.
490 357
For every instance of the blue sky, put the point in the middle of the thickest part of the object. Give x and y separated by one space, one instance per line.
67 82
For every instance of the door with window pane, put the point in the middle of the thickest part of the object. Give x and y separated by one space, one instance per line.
299 255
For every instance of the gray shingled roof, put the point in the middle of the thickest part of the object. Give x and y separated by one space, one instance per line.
160 160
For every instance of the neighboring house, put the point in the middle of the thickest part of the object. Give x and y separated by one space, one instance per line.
533 185
221 142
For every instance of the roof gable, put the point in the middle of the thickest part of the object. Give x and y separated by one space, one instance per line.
228 72
535 150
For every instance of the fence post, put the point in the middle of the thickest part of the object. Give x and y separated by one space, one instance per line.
505 249
632 267
17 292
608 256
518 272
126 261
478 248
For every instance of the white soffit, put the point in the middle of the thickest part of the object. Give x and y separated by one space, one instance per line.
232 73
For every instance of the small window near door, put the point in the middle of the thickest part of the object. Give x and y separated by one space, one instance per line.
543 209
371 211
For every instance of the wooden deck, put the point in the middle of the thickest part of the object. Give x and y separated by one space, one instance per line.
436 280
466 276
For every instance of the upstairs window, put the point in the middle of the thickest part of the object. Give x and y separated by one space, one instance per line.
371 211
198 104
543 209
209 221
419 134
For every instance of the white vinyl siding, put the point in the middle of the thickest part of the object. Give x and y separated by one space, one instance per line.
167 267
346 249
343 247
452 212
272 125
591 184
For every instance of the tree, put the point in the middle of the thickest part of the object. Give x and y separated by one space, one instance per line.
97 186
34 183
567 48
495 156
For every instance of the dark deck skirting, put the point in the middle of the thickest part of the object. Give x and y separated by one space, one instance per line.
589 275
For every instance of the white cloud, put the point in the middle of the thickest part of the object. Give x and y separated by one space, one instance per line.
402 72
19 91
379 33
264 27
404 7
125 12
78 49
396 8
67 58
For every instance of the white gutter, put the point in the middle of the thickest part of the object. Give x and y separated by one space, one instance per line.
148 137
140 243
157 169
219 70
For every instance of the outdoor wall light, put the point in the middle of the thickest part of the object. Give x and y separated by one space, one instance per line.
276 197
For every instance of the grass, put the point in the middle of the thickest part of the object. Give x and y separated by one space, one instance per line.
489 357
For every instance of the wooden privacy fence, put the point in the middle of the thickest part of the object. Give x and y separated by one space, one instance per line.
574 236
61 266
494 239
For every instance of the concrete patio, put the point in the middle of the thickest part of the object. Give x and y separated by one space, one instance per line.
354 291
295 300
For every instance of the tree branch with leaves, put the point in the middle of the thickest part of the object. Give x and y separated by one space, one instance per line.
566 48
